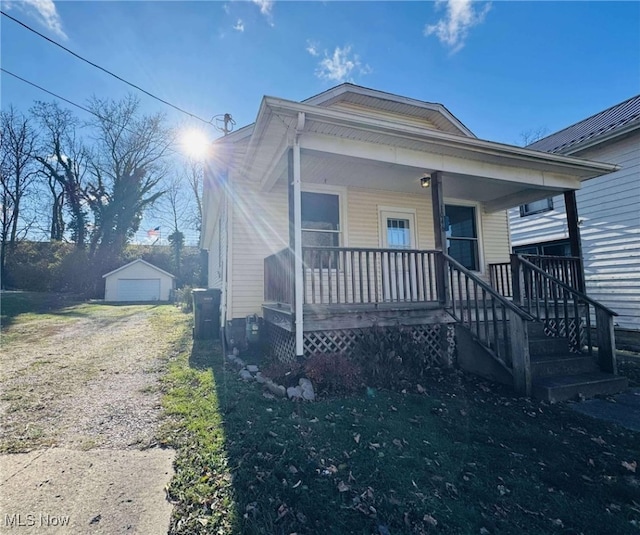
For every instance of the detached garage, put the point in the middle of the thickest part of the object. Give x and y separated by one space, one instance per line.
138 281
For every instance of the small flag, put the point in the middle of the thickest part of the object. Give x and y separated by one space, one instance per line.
153 232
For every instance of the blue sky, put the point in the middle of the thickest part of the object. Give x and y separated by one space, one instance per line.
501 67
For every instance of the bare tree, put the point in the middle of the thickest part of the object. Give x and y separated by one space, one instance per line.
527 137
127 166
194 175
17 174
64 159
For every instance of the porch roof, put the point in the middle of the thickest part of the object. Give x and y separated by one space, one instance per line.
351 148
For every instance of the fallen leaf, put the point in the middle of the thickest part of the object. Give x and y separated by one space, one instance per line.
343 487
630 466
356 437
598 440
420 389
430 520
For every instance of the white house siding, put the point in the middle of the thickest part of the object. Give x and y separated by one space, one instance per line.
609 209
495 232
259 228
382 114
363 220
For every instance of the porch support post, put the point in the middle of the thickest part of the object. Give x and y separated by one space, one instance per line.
519 348
571 208
297 224
437 202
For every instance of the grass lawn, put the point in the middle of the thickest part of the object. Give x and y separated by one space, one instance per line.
466 457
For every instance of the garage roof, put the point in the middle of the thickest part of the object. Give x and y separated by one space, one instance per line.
138 261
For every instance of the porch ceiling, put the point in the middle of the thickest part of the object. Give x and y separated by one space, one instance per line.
322 168
353 150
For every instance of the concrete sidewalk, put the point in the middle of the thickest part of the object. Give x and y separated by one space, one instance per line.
61 491
622 409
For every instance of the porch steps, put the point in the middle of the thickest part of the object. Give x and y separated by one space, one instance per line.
559 375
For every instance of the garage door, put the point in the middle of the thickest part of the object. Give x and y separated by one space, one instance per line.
138 289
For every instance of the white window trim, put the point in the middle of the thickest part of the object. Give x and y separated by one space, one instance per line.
478 207
341 192
401 211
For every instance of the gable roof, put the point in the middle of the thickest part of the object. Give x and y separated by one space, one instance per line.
139 261
612 122
373 99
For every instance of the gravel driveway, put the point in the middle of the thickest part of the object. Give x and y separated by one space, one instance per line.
87 378
79 401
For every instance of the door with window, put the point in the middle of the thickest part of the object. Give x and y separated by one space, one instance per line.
398 269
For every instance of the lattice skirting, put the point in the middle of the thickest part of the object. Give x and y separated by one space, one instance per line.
438 340
282 343
557 328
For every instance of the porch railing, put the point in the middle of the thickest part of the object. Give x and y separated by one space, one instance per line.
566 312
567 269
495 322
352 275
278 277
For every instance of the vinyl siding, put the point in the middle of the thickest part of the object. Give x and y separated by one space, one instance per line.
363 218
609 208
495 232
260 228
383 114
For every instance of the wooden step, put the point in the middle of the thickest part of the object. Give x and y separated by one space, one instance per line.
564 387
547 346
560 365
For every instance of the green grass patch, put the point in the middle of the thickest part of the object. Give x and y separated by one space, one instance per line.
463 458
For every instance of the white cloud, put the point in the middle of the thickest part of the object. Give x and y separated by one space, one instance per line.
340 66
461 16
44 11
312 48
266 6
239 26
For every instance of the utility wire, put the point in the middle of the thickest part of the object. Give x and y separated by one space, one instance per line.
102 69
62 98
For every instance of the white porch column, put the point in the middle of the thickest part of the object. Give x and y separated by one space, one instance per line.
297 225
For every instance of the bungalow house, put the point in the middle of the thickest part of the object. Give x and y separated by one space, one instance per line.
357 208
609 213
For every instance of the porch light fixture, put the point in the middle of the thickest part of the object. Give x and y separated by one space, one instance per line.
425 181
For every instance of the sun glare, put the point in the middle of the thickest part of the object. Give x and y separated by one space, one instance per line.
195 143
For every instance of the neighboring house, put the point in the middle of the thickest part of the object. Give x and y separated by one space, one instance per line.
357 208
138 281
608 211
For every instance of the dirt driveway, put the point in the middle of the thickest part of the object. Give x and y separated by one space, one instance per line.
80 409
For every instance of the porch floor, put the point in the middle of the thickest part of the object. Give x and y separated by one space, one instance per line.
319 317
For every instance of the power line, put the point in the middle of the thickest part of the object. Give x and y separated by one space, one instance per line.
103 69
64 99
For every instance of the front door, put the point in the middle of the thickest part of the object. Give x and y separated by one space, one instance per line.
398 234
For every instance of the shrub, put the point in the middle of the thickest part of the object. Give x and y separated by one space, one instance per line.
333 374
392 356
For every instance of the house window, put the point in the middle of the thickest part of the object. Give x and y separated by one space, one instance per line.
536 207
462 235
320 220
398 233
556 248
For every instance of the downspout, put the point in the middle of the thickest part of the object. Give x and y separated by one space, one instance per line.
297 222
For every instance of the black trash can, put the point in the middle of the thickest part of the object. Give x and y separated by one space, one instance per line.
206 310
